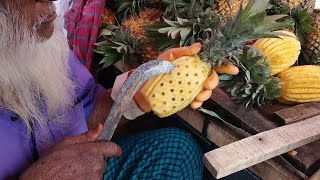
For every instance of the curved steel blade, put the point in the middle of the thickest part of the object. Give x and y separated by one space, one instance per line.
128 90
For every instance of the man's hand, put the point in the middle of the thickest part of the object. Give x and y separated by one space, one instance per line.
78 157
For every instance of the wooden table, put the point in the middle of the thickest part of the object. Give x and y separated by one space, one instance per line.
241 122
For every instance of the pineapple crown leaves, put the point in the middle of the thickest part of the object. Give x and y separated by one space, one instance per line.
130 7
303 23
251 23
186 8
184 32
254 84
118 44
277 7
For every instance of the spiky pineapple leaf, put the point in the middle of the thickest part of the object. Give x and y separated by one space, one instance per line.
278 7
119 44
250 24
254 84
303 23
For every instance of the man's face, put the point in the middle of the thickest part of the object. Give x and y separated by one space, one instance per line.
38 14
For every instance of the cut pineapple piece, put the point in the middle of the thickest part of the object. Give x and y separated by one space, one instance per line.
173 91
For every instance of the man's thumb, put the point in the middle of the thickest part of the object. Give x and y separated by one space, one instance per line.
89 136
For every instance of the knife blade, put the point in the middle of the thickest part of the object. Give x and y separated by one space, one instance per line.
128 90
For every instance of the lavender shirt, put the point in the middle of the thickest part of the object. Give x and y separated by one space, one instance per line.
18 149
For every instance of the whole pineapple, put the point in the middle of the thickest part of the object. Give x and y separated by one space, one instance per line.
108 17
281 52
172 92
147 16
224 10
134 24
313 42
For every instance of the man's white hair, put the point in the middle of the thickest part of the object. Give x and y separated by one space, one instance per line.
35 79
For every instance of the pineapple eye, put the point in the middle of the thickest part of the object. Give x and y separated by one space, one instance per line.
197 83
181 91
153 95
170 81
174 107
189 83
187 66
182 99
161 84
163 93
180 82
173 99
164 102
187 75
172 90
190 92
196 74
178 73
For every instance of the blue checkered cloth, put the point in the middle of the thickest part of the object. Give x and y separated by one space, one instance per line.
159 154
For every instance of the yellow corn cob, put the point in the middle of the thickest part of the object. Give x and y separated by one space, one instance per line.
171 92
281 52
300 84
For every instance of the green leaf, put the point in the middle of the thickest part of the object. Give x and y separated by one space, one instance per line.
259 6
108 61
273 18
166 30
105 32
124 5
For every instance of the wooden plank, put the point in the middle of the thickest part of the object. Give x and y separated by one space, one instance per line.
256 120
222 134
263 146
249 120
298 113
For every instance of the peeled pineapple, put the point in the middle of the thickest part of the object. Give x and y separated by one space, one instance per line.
300 84
173 91
281 52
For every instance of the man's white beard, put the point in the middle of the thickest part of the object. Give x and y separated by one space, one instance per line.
34 77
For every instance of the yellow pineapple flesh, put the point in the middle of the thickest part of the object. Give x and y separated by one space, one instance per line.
300 84
171 92
281 53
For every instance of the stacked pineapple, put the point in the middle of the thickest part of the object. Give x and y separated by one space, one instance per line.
313 41
134 25
124 37
146 29
229 8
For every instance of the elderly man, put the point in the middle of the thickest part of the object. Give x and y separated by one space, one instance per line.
47 101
